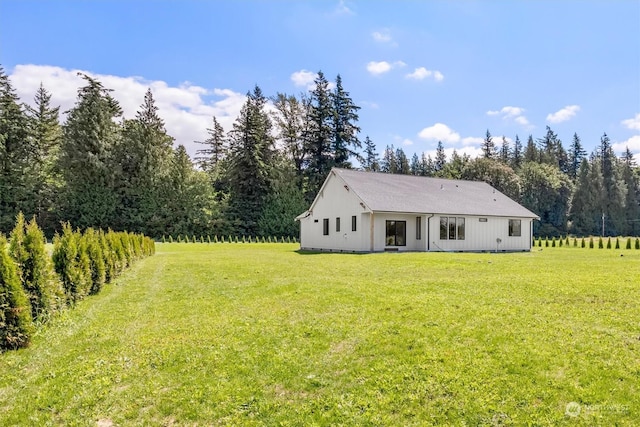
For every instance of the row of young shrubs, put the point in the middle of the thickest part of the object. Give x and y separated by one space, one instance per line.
588 242
228 239
34 284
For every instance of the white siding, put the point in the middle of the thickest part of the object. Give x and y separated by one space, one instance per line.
336 201
412 243
481 236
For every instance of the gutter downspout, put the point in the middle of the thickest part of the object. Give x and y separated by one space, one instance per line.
429 233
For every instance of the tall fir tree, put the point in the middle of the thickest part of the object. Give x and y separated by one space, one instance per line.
318 143
505 151
345 142
631 177
389 163
371 162
575 156
250 163
16 157
143 157
292 124
86 157
531 153
441 158
614 189
488 147
516 154
46 136
403 167
215 148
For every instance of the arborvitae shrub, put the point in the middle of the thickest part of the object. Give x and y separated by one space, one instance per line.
186 238
37 276
110 261
164 240
179 238
566 241
288 239
628 243
600 243
575 242
617 243
170 238
84 263
609 243
236 239
16 325
560 242
215 238
243 239
193 239
637 243
65 263
583 243
546 242
119 257
96 260
230 239
590 242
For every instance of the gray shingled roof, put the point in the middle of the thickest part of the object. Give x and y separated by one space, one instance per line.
383 192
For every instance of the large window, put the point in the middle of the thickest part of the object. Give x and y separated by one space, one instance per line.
451 228
325 226
515 227
418 228
353 223
396 233
337 224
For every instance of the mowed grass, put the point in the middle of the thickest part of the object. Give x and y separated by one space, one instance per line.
258 334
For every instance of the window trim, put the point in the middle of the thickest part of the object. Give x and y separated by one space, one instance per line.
452 225
337 224
325 226
418 228
512 232
354 222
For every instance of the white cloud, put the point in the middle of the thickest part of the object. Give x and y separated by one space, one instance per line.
380 67
632 143
343 9
422 73
472 152
186 109
370 104
382 36
472 140
564 114
511 113
439 132
633 123
303 78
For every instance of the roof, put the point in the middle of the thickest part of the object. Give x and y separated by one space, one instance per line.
384 192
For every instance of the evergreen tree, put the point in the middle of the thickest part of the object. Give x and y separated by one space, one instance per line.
441 158
45 134
631 178
216 148
16 325
488 147
250 163
494 173
552 152
389 163
505 151
317 137
588 200
531 153
403 166
614 189
370 161
16 157
143 156
575 156
345 142
86 157
516 155
454 168
292 124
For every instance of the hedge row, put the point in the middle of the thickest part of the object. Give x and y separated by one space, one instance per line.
584 242
34 285
228 239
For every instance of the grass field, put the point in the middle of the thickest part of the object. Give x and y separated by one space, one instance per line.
258 334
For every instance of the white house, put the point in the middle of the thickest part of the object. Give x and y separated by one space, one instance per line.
359 211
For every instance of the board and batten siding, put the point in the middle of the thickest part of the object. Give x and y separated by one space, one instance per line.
483 235
336 200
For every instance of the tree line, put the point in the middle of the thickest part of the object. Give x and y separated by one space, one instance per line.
99 170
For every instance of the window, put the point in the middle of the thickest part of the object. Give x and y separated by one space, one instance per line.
482 219
418 228
338 225
515 227
353 223
396 233
451 228
325 226
444 221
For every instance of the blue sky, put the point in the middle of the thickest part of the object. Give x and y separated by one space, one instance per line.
422 71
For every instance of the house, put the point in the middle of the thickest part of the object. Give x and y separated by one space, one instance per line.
357 211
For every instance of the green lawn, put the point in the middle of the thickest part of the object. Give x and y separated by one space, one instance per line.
258 334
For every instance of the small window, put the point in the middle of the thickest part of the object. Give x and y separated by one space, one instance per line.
444 227
482 219
338 225
353 223
418 228
515 227
325 226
